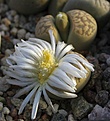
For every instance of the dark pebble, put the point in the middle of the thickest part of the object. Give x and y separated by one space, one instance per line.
13 112
103 57
102 97
106 73
58 117
89 96
106 84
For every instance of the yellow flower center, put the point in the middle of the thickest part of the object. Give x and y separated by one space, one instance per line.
46 66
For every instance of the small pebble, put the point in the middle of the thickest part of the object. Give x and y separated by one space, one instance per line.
103 57
58 117
10 93
21 34
20 120
1 93
8 52
29 35
108 61
9 118
42 104
12 12
14 31
90 95
3 8
49 110
63 112
6 21
15 41
6 110
108 104
106 73
16 102
80 107
2 99
16 19
13 112
102 97
1 106
3 27
71 118
99 114
2 116
56 106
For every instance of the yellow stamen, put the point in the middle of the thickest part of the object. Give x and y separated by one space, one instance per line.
46 66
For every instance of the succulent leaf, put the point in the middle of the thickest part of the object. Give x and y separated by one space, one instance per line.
62 24
46 23
99 9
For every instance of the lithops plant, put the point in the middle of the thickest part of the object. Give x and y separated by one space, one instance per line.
1 1
75 27
55 6
28 6
43 27
99 9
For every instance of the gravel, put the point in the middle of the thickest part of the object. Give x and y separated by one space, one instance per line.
93 102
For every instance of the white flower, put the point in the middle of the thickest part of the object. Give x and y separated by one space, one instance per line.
38 66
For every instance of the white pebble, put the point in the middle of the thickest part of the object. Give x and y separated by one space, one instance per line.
49 110
29 35
16 19
56 106
9 118
21 34
71 118
63 112
1 93
3 27
20 120
8 52
2 33
12 12
15 41
6 110
14 31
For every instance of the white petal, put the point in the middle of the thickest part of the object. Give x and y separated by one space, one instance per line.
25 90
74 61
18 83
22 73
9 61
29 53
64 51
20 60
60 85
60 94
36 103
59 48
17 52
39 41
53 41
60 73
26 100
27 67
70 69
13 75
48 100
37 50
83 61
36 45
